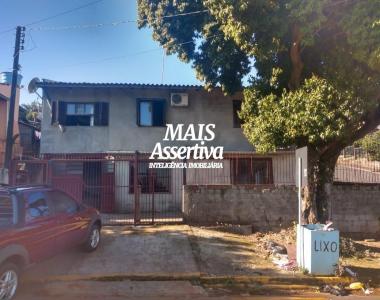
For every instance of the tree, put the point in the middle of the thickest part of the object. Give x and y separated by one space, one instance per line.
371 144
32 111
317 63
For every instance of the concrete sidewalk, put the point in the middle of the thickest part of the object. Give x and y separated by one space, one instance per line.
164 253
125 251
164 262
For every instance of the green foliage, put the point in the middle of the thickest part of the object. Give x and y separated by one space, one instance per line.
32 111
371 143
315 114
339 88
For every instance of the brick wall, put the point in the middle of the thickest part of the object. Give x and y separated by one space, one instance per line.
355 207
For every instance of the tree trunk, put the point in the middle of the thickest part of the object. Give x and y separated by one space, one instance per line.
315 204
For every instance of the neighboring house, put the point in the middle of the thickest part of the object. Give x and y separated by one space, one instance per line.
89 124
30 134
5 92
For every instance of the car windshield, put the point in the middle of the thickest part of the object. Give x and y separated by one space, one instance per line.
6 212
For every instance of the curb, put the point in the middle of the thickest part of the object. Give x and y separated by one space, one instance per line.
203 278
278 280
117 277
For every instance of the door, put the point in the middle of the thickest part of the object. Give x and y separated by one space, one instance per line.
108 187
40 230
92 178
72 225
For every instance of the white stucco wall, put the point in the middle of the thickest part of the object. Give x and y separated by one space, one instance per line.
123 134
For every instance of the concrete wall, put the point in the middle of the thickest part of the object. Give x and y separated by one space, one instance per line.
123 134
263 207
355 208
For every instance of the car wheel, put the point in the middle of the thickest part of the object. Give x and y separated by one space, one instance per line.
9 279
93 239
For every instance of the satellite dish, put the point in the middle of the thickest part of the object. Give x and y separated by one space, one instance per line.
32 87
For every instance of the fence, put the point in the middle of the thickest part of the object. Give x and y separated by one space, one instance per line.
358 165
127 190
130 188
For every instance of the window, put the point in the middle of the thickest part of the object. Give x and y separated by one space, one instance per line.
80 113
63 203
252 171
6 212
36 206
236 106
67 168
151 112
151 180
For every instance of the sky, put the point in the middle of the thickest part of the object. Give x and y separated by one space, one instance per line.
104 54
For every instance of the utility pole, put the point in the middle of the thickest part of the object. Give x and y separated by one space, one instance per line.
19 45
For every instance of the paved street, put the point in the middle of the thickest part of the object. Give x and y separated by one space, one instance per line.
146 290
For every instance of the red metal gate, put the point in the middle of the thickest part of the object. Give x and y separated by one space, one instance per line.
124 189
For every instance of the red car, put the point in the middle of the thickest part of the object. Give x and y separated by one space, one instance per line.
37 222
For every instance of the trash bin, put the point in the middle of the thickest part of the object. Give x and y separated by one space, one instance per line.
317 249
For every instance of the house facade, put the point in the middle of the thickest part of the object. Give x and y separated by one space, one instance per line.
93 131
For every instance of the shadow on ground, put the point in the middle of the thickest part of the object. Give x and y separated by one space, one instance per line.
226 254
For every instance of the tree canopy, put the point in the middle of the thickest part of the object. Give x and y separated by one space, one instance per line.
31 112
317 67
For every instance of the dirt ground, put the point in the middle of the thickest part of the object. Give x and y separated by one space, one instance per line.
218 252
221 253
367 262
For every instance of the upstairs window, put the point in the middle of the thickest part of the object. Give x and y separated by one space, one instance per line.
80 113
236 106
151 112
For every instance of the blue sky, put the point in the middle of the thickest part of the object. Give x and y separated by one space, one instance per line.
86 54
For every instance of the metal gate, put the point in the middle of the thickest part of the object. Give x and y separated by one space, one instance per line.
124 189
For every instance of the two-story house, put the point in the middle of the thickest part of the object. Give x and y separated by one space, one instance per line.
93 130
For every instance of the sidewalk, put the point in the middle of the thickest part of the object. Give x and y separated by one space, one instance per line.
176 252
171 261
127 252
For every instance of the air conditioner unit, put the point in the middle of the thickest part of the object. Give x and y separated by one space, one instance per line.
179 99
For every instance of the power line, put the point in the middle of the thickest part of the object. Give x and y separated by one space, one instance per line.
115 23
127 55
55 16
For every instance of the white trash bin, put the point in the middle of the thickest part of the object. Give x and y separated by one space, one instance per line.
317 249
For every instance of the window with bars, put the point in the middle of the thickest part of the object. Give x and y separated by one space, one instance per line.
150 180
252 171
64 168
